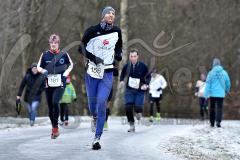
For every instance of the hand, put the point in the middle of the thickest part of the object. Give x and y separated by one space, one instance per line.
64 79
196 94
159 89
121 84
18 106
18 101
98 60
144 87
18 97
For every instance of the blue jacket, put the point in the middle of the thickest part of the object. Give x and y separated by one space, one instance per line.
218 83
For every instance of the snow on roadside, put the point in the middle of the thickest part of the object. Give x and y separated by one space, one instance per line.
205 142
13 122
18 122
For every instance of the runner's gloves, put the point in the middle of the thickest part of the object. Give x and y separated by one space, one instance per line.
98 60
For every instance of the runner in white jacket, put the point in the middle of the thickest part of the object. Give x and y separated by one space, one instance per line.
156 85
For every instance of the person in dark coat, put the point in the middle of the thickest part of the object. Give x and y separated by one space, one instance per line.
33 85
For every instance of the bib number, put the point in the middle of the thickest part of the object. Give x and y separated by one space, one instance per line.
95 71
54 80
134 82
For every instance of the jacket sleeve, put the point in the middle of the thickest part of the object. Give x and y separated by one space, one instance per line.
22 85
227 82
82 48
145 74
207 86
40 64
148 78
118 47
163 83
123 73
70 67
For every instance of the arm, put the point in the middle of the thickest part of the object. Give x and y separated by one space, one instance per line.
70 67
163 82
148 78
145 73
40 64
22 85
118 47
227 82
123 73
207 86
82 48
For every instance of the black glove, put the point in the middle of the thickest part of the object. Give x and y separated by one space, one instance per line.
98 60
18 106
159 89
64 79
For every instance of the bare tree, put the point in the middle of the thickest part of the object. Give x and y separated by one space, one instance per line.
124 28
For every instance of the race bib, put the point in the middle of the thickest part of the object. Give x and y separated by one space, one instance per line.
95 71
134 82
54 80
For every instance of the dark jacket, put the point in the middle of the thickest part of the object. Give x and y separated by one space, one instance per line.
140 71
60 63
34 86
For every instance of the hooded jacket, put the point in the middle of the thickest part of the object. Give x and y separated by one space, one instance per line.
218 83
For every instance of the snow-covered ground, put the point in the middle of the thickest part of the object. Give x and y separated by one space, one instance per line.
205 142
171 139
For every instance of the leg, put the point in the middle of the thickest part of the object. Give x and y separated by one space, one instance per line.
62 112
49 94
151 104
66 111
129 113
107 113
104 88
151 108
206 108
57 96
219 111
139 101
201 105
157 101
129 102
34 106
212 111
91 88
29 111
158 105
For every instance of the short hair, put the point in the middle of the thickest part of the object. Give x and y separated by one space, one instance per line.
134 50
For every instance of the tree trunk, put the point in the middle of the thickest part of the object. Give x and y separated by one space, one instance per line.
124 27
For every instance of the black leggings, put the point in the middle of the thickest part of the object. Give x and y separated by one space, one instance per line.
63 112
53 96
107 113
157 106
129 112
203 103
216 104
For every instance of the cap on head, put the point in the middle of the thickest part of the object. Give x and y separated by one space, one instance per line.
106 10
54 38
33 65
216 62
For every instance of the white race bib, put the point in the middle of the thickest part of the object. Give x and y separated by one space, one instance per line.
134 82
95 71
54 80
